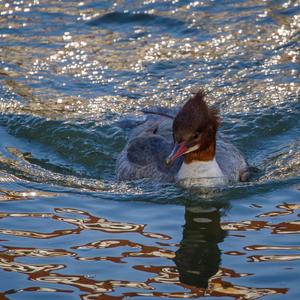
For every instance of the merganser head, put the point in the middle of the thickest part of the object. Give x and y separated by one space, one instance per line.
194 131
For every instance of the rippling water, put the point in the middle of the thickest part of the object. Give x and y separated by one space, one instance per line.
73 78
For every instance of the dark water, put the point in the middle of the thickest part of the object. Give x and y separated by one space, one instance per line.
73 75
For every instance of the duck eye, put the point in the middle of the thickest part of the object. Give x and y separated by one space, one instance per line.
196 135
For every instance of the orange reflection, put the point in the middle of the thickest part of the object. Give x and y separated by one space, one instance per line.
143 250
260 258
286 209
89 222
286 228
194 267
292 227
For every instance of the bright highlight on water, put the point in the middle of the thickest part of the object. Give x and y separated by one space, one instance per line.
76 78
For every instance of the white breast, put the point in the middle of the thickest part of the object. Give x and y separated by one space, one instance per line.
201 173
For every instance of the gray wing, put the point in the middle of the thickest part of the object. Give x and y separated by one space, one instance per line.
148 146
231 161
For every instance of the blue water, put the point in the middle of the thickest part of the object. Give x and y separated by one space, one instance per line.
73 78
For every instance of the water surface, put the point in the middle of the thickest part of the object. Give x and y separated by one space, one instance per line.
73 78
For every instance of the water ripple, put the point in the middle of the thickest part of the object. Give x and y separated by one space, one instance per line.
74 77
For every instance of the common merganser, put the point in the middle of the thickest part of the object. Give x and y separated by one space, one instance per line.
200 156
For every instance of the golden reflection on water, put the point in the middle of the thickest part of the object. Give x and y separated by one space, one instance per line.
9 195
91 55
56 75
194 266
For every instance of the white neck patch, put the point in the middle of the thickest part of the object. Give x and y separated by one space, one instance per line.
203 173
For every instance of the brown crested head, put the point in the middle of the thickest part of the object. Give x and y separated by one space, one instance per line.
194 130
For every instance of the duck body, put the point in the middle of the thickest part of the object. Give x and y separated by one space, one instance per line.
150 143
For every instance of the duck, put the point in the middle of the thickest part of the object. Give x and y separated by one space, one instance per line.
185 148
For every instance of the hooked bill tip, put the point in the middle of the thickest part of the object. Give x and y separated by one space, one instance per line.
168 161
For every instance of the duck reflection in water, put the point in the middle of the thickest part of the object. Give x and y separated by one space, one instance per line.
198 257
